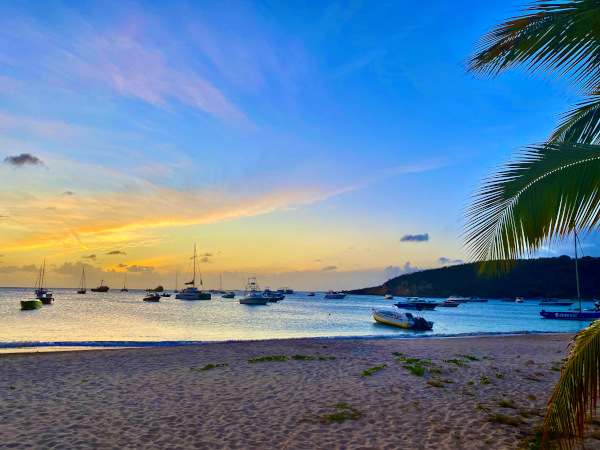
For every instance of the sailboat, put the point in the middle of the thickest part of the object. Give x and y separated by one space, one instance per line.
41 293
124 288
192 292
175 291
82 289
577 314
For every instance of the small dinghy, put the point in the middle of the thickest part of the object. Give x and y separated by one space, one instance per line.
30 304
401 319
389 297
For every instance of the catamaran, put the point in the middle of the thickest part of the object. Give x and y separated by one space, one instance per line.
570 315
82 289
192 292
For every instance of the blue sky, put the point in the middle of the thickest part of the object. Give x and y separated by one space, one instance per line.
298 136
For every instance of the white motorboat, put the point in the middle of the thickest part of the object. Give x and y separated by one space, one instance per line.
458 299
401 319
254 296
389 297
519 300
192 292
334 295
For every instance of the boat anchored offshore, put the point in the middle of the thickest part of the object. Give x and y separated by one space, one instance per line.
101 288
401 319
519 300
152 297
254 295
555 302
567 315
310 294
448 304
82 289
30 304
124 282
389 297
192 292
230 294
273 296
41 293
458 299
415 303
334 295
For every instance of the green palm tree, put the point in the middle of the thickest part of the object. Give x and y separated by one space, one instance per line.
547 191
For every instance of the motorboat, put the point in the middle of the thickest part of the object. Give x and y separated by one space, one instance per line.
101 288
30 304
458 299
555 302
477 300
230 294
45 297
152 297
519 300
417 304
273 296
401 319
286 290
310 294
448 304
82 289
254 296
192 292
389 297
334 295
164 294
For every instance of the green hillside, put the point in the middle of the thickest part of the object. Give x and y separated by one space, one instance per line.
544 277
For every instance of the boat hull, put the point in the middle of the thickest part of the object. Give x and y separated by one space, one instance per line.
569 315
228 296
46 300
100 289
254 301
401 321
152 299
81 291
30 304
448 304
418 306
334 296
193 296
556 303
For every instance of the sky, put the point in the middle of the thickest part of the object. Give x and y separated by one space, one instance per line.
317 145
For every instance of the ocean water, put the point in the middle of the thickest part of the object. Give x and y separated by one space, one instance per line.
116 318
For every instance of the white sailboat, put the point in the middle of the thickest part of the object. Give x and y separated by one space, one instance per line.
192 292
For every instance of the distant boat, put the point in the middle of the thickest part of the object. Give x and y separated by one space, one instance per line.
30 304
230 294
477 300
555 302
254 296
192 292
310 294
334 295
175 291
389 297
519 300
415 303
124 282
564 315
82 289
448 304
101 288
152 297
458 299
286 290
41 293
401 319
164 294
273 296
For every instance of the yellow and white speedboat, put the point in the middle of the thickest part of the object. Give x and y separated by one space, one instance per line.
401 319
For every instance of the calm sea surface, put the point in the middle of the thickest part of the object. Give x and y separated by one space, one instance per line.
122 318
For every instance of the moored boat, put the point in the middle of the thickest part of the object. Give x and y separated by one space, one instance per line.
334 295
30 304
519 300
448 304
417 304
555 302
458 299
41 293
125 282
310 294
230 294
82 289
101 288
164 294
192 292
401 319
254 296
389 297
152 297
273 296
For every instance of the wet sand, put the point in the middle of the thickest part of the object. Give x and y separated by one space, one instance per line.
158 397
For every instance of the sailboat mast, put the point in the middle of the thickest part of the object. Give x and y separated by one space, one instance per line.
577 273
43 274
194 265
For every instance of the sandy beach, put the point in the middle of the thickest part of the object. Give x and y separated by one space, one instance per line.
159 397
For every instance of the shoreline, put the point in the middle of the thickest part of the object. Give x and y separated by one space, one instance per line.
285 394
42 346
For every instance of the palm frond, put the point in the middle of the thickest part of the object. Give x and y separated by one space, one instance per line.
580 124
560 39
576 394
538 196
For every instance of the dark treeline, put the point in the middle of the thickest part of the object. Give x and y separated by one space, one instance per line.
533 278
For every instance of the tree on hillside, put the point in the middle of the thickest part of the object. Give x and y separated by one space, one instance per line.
547 191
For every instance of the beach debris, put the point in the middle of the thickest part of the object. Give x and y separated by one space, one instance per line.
268 358
458 362
469 357
500 376
12 388
507 404
211 366
302 357
484 380
504 420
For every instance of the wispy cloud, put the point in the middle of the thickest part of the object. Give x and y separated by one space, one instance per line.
449 261
327 268
116 252
24 159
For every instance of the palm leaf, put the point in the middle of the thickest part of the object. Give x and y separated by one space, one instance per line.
538 196
582 123
560 39
576 394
